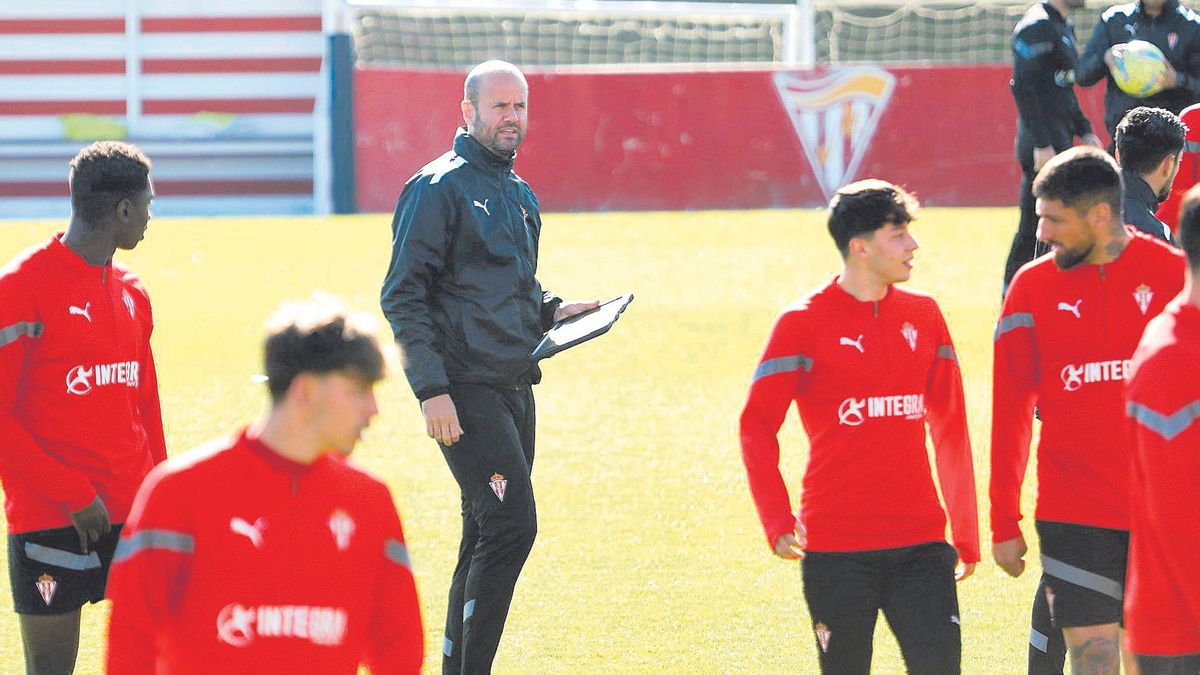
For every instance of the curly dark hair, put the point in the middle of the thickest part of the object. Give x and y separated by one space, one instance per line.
103 174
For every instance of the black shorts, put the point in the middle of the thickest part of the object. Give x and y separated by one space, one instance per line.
50 576
914 588
1083 573
1185 664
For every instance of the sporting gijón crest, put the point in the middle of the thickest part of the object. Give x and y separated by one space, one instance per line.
499 485
910 335
1143 295
46 586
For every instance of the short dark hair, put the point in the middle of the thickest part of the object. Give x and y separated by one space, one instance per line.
103 174
1147 136
319 336
1081 178
1189 226
862 207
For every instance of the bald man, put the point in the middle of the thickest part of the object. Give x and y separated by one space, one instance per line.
467 310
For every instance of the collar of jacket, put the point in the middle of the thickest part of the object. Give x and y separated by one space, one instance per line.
470 149
75 262
1137 189
1053 13
275 461
1169 7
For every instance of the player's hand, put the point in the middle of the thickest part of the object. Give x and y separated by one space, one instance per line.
1041 156
1113 55
1172 80
962 570
571 309
91 522
1092 140
1010 555
441 419
790 546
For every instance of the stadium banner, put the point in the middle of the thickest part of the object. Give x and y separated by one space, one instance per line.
716 140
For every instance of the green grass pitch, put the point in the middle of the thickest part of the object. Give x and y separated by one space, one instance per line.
649 556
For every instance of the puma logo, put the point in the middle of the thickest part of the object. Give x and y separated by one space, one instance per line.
483 206
252 532
1074 309
72 310
857 344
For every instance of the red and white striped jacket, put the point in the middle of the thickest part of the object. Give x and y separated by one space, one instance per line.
237 560
866 378
1063 343
79 408
1162 593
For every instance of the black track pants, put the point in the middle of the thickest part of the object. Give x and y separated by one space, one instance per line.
492 464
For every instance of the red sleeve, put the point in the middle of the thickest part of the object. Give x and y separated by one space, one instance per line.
148 574
22 460
1014 392
952 444
151 408
776 381
396 643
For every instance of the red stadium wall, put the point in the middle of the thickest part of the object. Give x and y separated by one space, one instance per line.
715 140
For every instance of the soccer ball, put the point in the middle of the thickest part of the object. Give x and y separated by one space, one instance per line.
1142 69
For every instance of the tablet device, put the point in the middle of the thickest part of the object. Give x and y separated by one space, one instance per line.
581 327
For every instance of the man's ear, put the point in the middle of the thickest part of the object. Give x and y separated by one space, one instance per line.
468 112
1101 214
1167 165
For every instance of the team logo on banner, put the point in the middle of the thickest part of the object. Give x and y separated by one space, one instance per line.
835 115
46 586
499 485
1143 295
910 335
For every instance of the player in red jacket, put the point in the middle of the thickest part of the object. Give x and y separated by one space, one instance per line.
1069 326
868 365
79 409
1162 599
269 553
1189 169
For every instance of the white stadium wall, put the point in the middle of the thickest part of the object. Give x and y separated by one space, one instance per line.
220 94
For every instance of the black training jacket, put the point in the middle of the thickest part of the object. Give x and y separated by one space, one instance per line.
460 292
1138 204
1044 51
1176 32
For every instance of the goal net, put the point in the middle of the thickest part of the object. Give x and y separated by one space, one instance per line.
458 33
937 32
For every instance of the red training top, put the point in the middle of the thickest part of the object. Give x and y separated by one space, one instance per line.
1162 595
866 377
1063 343
79 410
236 560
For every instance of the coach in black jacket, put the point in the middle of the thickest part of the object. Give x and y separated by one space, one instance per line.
467 310
1048 114
1168 25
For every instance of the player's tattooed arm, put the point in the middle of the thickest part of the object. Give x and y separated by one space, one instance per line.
1097 656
